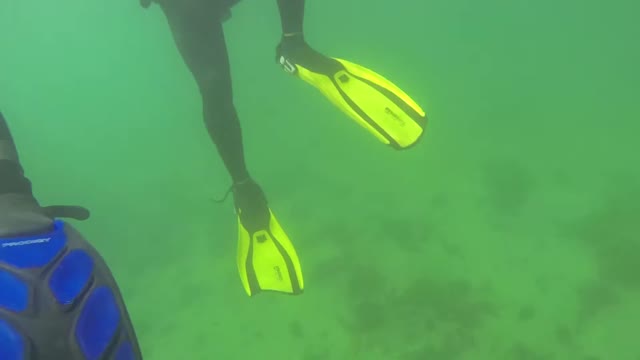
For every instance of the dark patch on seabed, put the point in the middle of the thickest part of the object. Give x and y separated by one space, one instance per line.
594 299
565 336
509 186
446 314
526 313
296 330
612 232
524 352
319 349
408 234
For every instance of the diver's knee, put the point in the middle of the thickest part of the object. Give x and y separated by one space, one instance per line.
211 81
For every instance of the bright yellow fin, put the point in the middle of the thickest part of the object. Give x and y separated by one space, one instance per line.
267 260
371 100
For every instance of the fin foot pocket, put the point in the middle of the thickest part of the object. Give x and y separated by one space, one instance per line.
97 326
125 351
15 293
33 251
268 261
12 344
71 278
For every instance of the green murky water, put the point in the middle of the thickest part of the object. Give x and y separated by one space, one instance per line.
511 232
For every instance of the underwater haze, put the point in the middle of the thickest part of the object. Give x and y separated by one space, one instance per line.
510 232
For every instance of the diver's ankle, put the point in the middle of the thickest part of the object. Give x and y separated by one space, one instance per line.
242 181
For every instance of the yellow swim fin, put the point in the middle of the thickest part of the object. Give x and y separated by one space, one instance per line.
371 100
267 260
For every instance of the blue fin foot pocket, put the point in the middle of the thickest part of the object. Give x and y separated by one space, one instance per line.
97 327
15 295
71 278
125 351
33 252
13 345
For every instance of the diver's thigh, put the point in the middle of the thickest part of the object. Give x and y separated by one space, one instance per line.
199 37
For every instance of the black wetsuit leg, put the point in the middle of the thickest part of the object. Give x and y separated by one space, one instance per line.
291 16
12 180
197 30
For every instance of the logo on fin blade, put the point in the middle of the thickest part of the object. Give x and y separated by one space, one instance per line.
395 116
26 242
278 272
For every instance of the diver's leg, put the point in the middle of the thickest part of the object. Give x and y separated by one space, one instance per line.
63 299
197 31
20 213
